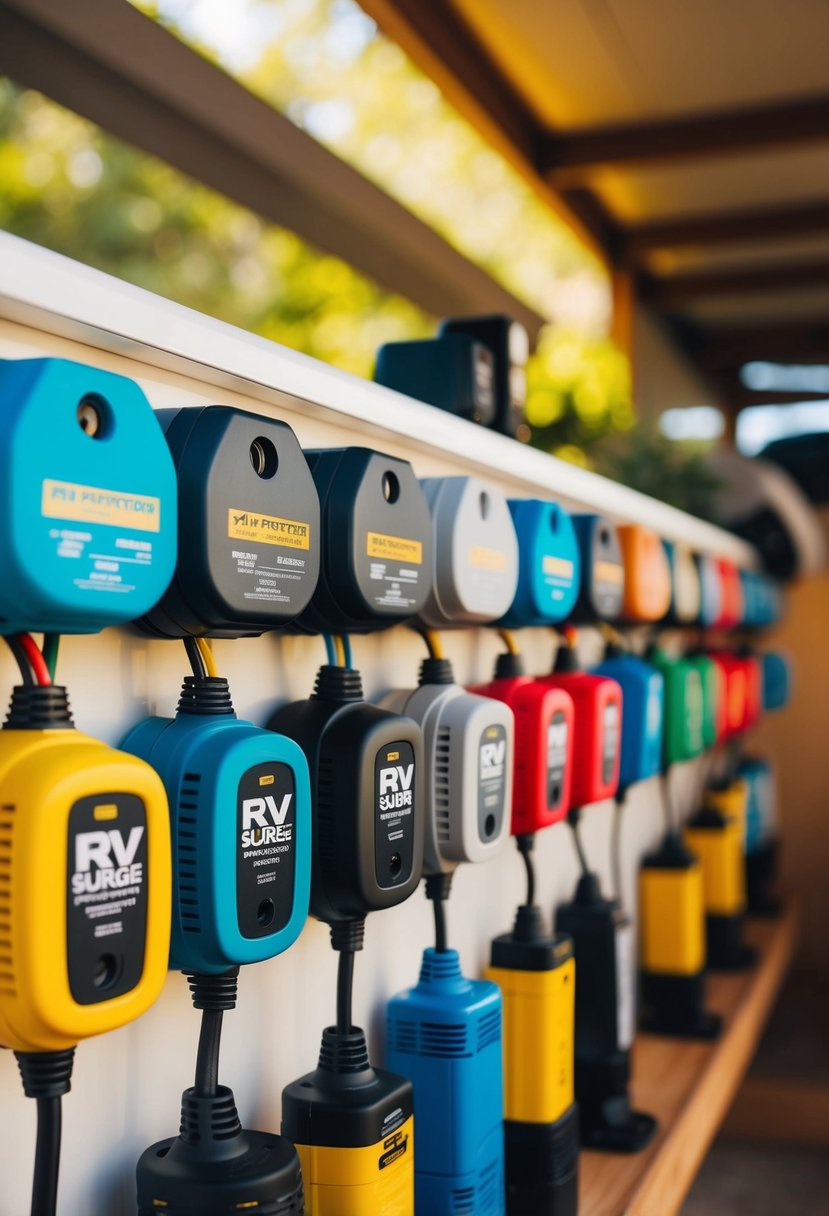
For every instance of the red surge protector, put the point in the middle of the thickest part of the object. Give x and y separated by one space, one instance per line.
597 728
732 606
742 696
543 749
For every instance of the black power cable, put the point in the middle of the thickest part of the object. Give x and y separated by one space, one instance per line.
574 819
525 845
47 1157
345 990
19 654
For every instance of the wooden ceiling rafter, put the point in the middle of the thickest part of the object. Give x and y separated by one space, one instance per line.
667 291
728 227
569 156
558 164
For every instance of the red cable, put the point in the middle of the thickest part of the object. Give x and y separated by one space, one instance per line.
36 659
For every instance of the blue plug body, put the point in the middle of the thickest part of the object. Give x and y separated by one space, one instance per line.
445 1035
643 698
760 808
87 499
776 680
240 807
549 564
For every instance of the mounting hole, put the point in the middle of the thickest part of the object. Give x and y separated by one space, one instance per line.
395 864
106 972
484 504
265 913
391 487
554 522
162 1152
263 458
93 415
556 795
306 1085
489 826
604 535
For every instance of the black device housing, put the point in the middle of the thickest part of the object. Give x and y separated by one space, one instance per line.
600 595
508 341
363 860
345 1102
248 526
454 373
376 559
214 1167
761 879
602 1062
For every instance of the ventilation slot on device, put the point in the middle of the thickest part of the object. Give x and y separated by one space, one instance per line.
8 981
187 855
442 760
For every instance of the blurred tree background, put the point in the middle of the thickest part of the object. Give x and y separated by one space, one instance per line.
69 186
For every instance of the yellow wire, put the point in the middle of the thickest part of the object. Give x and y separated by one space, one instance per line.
207 655
610 634
340 649
434 643
509 641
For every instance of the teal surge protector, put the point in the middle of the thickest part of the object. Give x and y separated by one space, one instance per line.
240 804
87 499
549 564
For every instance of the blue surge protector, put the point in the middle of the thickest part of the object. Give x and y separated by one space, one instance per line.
776 679
761 599
445 1035
761 836
643 698
549 564
87 499
240 805
760 809
710 585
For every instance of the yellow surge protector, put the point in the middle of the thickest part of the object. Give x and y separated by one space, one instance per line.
539 1012
536 972
672 919
673 942
732 801
374 1180
719 847
85 888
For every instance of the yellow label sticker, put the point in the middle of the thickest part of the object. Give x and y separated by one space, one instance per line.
267 779
559 566
392 755
94 505
487 559
394 548
607 572
267 529
106 810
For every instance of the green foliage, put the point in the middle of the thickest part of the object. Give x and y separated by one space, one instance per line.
578 391
70 186
643 458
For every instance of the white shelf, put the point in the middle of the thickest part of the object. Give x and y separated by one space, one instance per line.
56 295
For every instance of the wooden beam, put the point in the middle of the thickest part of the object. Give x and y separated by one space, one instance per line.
670 291
438 40
568 157
109 62
728 347
725 228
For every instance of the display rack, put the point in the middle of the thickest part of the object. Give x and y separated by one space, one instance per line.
690 1086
